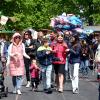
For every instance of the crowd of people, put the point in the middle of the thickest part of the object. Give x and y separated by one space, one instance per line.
49 58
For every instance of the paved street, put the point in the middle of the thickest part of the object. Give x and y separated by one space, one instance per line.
88 91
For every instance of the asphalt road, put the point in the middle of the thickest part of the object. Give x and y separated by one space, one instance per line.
88 91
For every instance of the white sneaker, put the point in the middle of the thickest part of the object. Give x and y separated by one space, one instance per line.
19 92
15 91
28 84
76 91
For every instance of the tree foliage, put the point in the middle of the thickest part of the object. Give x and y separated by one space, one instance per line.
37 13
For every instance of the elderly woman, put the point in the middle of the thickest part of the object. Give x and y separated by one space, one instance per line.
16 51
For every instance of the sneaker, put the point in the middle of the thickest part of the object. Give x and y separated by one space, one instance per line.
32 89
15 91
44 90
19 92
36 90
76 91
60 90
28 84
48 91
52 86
57 88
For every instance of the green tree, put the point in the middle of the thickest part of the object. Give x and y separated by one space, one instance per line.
91 10
37 13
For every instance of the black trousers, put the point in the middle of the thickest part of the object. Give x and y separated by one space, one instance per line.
27 63
35 82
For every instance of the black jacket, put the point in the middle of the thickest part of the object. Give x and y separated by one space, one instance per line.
30 51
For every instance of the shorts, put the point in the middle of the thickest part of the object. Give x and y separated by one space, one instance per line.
59 68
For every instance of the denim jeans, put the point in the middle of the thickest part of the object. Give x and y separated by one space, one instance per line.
17 81
84 67
46 76
74 74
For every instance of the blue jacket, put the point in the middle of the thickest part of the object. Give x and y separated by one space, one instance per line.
45 59
75 54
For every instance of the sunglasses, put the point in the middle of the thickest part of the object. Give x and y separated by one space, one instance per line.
17 37
26 34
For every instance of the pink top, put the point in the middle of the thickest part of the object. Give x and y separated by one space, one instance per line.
17 63
34 71
15 57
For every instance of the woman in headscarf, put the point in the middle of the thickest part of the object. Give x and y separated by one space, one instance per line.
16 51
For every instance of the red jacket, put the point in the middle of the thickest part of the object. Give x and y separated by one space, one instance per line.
60 52
34 71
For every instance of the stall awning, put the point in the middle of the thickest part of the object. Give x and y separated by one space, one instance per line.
94 28
7 31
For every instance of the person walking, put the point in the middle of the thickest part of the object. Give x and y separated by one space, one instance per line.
34 72
30 48
85 56
60 51
16 51
45 57
74 61
67 38
97 60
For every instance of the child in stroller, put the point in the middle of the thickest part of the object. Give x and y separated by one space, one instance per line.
3 89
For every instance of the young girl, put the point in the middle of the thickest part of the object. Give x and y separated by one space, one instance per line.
34 72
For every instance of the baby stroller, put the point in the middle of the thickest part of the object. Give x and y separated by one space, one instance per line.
3 89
